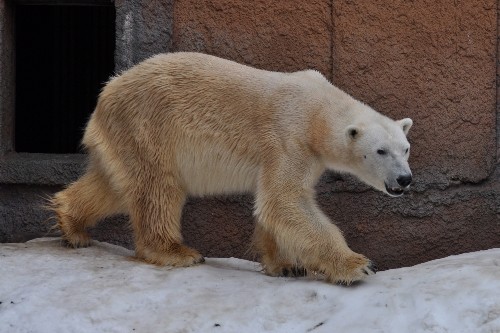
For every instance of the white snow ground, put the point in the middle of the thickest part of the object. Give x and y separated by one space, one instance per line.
48 288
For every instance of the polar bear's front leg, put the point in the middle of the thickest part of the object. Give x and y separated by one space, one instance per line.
354 266
303 235
273 260
301 241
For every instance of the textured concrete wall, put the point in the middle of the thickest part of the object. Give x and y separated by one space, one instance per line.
435 62
283 35
143 28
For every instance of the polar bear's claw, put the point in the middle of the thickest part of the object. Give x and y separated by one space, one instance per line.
372 266
370 269
294 271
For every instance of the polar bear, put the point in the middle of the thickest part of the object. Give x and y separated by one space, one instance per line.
183 124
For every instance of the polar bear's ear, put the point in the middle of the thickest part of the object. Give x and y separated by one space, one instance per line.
405 124
352 132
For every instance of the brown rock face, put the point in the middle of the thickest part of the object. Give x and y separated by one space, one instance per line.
275 35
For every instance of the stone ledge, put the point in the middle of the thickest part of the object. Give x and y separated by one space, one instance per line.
40 169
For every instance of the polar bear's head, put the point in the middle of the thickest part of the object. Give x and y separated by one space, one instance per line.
378 153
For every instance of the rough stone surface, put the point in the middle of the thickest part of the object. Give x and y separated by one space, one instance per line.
143 28
434 62
274 35
22 216
41 169
220 225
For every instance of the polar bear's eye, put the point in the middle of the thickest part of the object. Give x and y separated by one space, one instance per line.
406 151
381 152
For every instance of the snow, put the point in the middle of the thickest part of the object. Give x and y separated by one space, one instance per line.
45 287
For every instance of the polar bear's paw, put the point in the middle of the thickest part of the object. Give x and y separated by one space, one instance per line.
283 270
354 268
293 271
76 239
176 255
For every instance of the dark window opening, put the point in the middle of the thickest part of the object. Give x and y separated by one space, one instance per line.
64 56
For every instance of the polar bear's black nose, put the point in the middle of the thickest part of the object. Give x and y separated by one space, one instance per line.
404 180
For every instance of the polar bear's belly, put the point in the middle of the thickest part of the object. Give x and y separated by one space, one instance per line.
211 169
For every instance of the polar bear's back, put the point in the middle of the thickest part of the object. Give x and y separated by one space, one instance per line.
205 118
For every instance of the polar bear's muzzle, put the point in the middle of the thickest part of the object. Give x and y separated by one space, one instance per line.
403 182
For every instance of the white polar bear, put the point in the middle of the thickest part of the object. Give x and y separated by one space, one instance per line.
184 124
